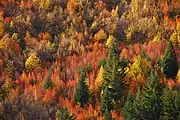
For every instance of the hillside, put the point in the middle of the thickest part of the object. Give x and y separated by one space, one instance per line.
89 59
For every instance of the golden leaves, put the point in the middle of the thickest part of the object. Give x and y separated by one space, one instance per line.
99 80
100 35
110 41
138 70
2 28
32 62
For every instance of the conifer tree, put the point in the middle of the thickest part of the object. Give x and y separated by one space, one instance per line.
82 91
169 63
64 114
106 101
107 115
128 111
170 104
48 84
113 74
99 80
147 103
151 102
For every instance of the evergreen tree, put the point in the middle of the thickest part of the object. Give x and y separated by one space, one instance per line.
82 91
107 115
63 114
171 105
169 63
151 102
147 103
128 111
113 74
48 84
106 101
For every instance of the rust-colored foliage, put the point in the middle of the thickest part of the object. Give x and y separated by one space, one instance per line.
73 34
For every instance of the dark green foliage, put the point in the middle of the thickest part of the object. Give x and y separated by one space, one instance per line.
88 68
113 74
143 54
107 115
102 63
22 44
147 103
171 105
64 114
2 116
169 63
151 102
2 94
128 111
48 83
106 101
82 91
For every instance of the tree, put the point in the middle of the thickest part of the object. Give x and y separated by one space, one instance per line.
147 103
107 115
2 27
63 114
128 111
151 102
113 74
106 102
32 62
138 70
99 79
48 84
82 91
171 104
169 63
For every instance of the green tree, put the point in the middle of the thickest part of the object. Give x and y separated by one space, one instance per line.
48 84
128 111
151 102
169 63
64 114
113 74
171 105
106 101
147 103
107 115
82 91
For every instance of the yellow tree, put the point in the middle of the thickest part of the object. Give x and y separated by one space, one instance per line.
32 62
100 35
2 27
110 41
138 70
99 79
45 3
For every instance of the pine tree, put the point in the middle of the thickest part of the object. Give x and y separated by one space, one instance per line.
82 91
151 102
171 104
48 84
99 78
169 63
106 101
147 103
64 114
113 74
107 115
128 111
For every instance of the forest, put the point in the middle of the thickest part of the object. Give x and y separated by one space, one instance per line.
89 59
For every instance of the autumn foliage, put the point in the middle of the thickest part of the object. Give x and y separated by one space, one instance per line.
121 45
